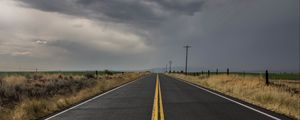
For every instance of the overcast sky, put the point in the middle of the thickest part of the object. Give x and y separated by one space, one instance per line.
142 34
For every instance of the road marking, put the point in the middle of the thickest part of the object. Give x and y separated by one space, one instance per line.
246 106
93 98
162 116
157 104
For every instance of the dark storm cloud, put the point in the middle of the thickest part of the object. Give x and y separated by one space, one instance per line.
250 36
239 34
135 12
179 6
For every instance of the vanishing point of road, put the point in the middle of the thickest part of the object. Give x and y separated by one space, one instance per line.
160 97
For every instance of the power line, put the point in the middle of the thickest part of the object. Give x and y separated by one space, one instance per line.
186 57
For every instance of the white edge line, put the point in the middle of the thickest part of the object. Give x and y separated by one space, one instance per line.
251 108
92 98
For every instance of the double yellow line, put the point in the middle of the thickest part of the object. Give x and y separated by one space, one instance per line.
158 111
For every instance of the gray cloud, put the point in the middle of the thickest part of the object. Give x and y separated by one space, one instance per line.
250 36
135 12
139 34
40 41
63 40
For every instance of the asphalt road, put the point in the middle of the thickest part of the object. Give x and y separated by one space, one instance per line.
180 101
131 102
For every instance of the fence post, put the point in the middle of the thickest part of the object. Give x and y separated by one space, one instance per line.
267 77
208 72
96 74
227 71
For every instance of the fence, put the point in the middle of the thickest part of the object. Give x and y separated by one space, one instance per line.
266 75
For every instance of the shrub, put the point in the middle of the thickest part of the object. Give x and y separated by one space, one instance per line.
90 76
108 72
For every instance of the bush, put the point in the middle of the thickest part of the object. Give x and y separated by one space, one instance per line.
90 76
108 72
14 88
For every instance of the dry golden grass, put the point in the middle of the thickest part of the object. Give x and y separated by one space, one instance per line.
35 107
253 90
15 80
291 85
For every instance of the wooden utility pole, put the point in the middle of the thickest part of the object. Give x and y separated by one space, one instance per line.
166 68
186 57
170 66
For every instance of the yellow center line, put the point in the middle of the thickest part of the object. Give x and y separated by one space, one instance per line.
162 116
157 104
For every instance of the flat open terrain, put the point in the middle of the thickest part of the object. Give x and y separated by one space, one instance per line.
26 95
180 101
281 96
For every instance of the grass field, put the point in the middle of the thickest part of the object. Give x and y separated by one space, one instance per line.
27 95
281 96
21 73
272 76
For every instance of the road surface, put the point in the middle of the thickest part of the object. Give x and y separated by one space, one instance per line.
160 97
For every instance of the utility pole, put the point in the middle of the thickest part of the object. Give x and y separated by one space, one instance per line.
166 68
170 65
186 57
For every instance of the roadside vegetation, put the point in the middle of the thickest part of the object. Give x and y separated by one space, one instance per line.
25 96
281 96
